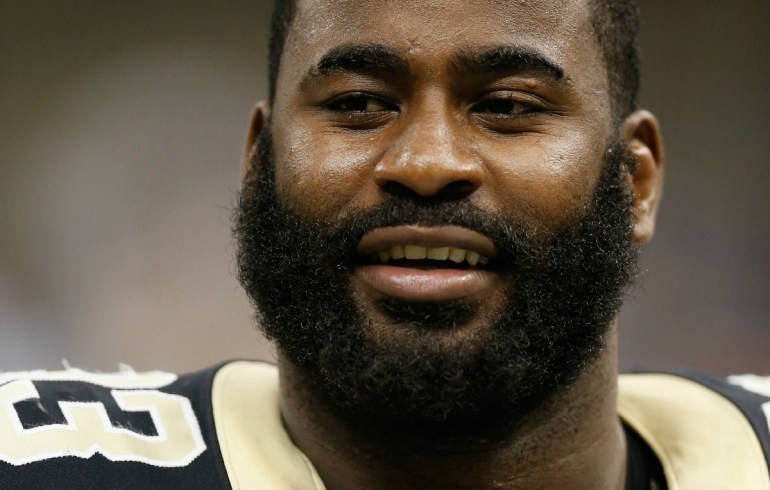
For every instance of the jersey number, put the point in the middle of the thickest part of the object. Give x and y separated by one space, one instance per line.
87 428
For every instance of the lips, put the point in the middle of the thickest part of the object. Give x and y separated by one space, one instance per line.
416 263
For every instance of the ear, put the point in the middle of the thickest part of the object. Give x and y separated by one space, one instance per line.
260 117
641 133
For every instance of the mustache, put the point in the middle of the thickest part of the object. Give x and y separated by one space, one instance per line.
347 231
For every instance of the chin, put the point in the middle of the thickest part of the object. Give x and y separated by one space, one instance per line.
455 328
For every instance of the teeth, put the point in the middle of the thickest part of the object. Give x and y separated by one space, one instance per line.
438 253
416 252
456 255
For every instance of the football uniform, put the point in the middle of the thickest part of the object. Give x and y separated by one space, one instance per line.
221 429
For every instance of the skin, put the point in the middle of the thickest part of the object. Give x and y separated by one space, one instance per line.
434 132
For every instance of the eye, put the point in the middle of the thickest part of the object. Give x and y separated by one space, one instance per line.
504 105
360 102
360 111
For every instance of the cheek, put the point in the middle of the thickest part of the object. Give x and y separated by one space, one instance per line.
548 180
322 174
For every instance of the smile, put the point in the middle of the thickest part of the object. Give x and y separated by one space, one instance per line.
431 254
426 264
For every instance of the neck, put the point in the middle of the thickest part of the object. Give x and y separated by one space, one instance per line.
573 441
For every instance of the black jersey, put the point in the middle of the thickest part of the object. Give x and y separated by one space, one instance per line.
221 429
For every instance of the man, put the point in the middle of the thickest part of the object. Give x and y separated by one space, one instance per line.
442 206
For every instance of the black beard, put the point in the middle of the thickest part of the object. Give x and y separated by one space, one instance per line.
564 291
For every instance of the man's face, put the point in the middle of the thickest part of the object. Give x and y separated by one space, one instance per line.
475 131
440 120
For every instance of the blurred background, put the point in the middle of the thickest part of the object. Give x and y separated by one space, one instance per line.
121 132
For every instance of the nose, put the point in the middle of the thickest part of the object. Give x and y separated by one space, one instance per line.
429 160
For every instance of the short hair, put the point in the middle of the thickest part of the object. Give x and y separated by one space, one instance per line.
615 24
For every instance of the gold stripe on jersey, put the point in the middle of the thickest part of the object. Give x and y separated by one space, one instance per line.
702 440
257 452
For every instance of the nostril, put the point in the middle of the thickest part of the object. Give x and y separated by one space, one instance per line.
457 189
398 189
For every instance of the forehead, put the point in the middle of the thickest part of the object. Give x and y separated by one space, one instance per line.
432 30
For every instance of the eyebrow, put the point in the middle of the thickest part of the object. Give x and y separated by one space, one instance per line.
505 59
378 58
358 58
